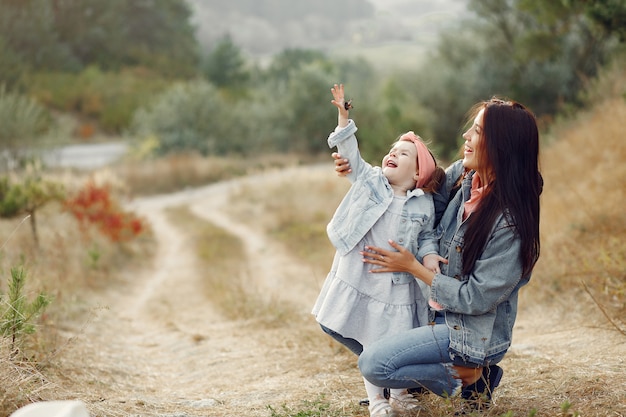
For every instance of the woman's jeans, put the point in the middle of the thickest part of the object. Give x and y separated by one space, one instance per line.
414 358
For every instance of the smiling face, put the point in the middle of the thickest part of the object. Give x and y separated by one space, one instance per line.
400 166
473 153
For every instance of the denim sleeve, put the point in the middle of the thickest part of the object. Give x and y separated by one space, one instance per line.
345 141
494 277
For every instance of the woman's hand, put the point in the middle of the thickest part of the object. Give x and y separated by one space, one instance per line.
390 261
342 166
400 260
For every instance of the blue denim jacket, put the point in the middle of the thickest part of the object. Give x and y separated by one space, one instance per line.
442 196
369 197
480 308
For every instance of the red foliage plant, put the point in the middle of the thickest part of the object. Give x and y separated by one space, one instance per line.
94 205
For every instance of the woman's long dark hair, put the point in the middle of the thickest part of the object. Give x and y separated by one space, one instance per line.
510 148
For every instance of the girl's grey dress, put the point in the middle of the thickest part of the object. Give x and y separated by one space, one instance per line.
353 302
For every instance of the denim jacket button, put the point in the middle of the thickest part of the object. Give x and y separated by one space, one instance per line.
458 249
401 240
457 277
456 327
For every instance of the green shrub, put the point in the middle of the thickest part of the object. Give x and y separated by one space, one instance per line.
189 116
109 98
22 120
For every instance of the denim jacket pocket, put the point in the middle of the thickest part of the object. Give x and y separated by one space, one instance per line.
400 278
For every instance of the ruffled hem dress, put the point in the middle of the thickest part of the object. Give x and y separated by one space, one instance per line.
368 306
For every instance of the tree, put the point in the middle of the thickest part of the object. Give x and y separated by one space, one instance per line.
225 66
290 60
71 34
305 105
29 32
161 35
536 52
27 195
608 14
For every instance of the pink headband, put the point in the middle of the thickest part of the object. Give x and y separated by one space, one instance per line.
425 160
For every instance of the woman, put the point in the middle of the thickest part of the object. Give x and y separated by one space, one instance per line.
489 244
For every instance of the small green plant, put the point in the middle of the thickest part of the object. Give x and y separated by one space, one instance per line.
17 314
566 409
94 253
316 408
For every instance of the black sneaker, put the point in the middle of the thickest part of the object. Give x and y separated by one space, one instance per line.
418 390
477 396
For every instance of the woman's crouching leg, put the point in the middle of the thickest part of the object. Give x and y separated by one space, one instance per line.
412 359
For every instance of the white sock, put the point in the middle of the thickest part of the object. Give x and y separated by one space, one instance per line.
374 394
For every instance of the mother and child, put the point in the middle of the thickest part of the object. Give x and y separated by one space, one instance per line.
424 284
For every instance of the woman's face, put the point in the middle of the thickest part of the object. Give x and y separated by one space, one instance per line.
472 153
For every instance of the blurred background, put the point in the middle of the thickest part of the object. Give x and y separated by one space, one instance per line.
250 77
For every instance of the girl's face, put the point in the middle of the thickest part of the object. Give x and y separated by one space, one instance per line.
400 165
473 153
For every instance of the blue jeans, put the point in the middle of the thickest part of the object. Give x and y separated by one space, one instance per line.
414 358
351 344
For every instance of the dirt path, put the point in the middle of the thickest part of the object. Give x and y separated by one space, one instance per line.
157 348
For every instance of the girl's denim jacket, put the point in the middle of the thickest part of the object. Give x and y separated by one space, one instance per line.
369 197
480 308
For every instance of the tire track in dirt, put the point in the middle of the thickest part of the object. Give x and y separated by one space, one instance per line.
276 274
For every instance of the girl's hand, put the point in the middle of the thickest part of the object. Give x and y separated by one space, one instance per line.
431 262
339 101
342 166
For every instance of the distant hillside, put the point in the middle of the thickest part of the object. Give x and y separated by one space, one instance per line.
264 27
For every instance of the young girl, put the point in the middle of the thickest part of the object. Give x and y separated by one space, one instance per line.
356 307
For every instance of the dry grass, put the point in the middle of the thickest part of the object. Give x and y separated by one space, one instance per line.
583 222
20 381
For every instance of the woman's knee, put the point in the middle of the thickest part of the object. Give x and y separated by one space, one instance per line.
371 367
